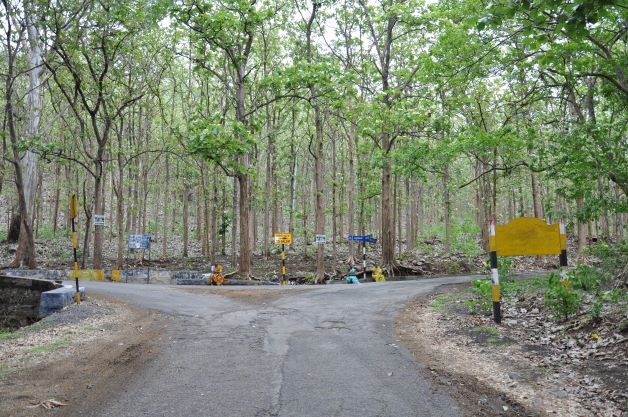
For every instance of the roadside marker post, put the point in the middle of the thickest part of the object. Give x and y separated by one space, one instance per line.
364 239
495 294
73 215
283 239
140 242
525 236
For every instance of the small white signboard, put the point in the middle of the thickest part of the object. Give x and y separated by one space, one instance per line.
321 239
99 220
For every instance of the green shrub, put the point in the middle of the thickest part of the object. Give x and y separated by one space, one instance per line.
560 298
585 277
483 288
596 310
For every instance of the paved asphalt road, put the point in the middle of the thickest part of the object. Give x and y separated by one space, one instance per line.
318 351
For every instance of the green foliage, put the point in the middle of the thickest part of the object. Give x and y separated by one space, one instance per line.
585 278
595 310
309 277
464 236
504 266
483 288
221 141
560 298
6 334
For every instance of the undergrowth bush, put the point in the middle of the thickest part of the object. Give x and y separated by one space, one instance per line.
561 298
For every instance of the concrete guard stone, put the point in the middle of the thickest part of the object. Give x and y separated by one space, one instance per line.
55 300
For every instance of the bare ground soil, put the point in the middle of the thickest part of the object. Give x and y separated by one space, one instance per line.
499 371
74 357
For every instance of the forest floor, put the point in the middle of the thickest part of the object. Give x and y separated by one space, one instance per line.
73 356
577 367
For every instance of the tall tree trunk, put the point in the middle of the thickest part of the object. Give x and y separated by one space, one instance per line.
164 242
447 209
234 224
186 217
582 234
267 194
535 196
388 242
214 235
57 195
27 165
304 206
244 266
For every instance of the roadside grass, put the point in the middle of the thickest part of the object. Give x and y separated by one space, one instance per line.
49 346
5 371
484 329
441 302
6 334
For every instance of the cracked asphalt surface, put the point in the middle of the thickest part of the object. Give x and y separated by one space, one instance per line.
300 351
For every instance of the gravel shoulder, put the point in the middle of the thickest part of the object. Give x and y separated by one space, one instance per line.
73 357
495 370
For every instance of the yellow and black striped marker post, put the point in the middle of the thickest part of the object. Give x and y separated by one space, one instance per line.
495 296
283 239
564 279
283 264
73 215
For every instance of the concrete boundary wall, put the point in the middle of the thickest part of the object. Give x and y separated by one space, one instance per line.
139 276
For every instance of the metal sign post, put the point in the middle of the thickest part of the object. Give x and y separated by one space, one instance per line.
364 239
283 239
141 242
73 215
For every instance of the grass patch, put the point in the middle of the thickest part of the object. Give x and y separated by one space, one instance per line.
486 330
5 371
438 303
49 347
6 334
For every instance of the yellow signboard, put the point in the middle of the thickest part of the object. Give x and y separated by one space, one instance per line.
527 236
73 207
283 238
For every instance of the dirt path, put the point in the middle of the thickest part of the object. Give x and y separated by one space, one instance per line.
73 357
488 371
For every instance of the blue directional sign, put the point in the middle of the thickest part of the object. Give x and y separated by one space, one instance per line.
363 238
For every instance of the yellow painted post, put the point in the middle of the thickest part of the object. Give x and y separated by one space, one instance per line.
283 239
115 275
283 264
73 215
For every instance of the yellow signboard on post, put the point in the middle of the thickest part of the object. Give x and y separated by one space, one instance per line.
521 237
283 238
527 236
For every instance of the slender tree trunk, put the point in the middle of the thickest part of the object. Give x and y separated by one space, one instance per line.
333 202
582 234
447 209
535 196
186 217
164 242
234 224
214 235
57 195
267 194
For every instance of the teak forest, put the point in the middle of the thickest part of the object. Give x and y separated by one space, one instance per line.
223 122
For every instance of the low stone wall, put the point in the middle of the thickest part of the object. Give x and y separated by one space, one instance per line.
20 300
137 276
